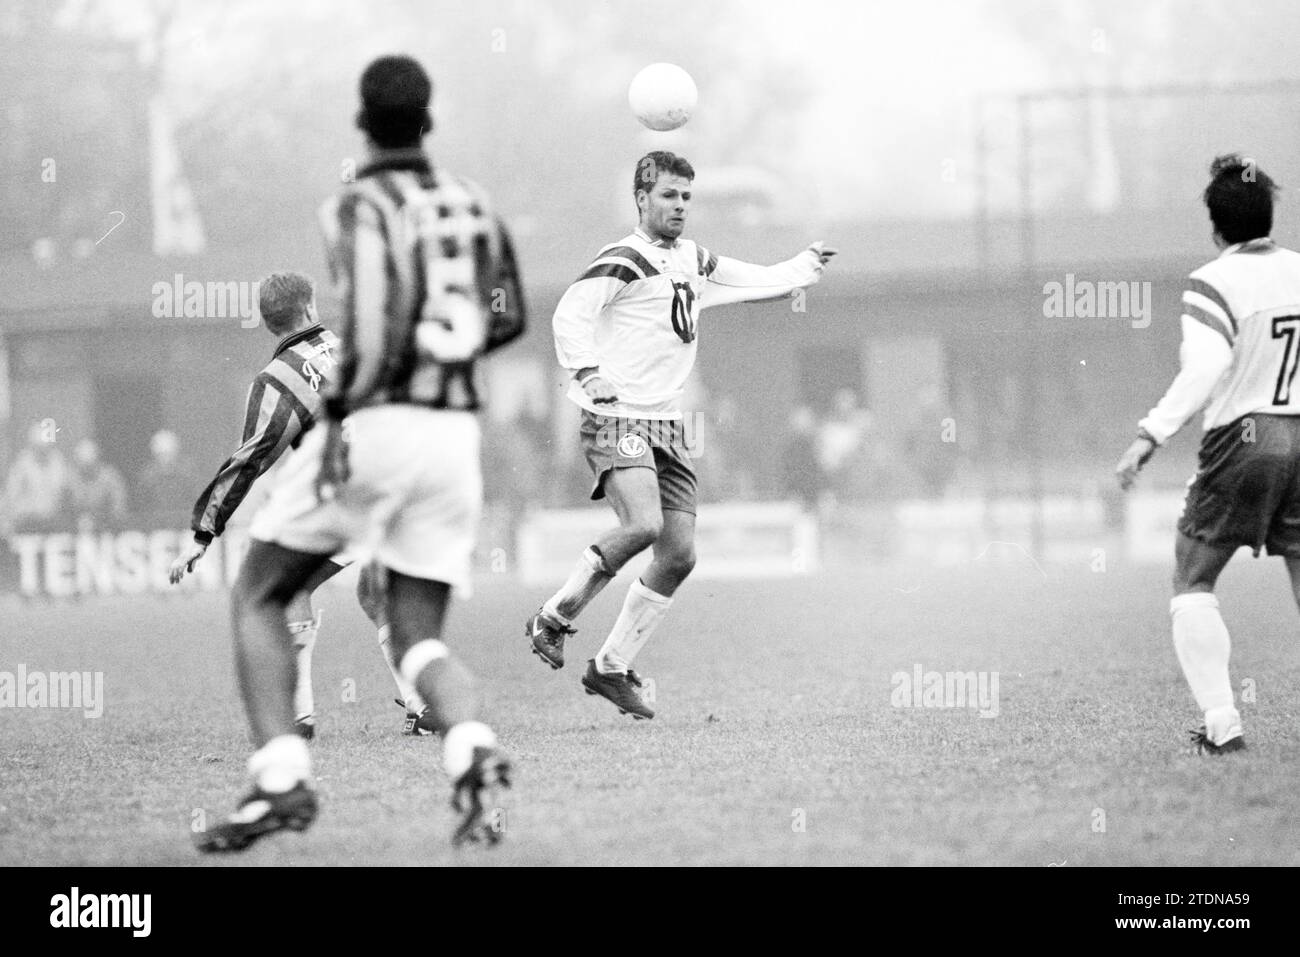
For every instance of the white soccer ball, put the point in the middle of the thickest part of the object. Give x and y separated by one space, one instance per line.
662 96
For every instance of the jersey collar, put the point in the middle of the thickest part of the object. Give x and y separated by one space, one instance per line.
645 237
1263 244
412 158
288 342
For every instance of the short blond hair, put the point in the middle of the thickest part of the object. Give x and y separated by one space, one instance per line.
283 298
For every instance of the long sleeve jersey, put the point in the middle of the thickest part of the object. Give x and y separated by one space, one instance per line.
635 313
1241 340
283 402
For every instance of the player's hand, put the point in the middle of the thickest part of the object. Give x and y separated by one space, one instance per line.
824 252
1131 462
186 561
599 391
334 471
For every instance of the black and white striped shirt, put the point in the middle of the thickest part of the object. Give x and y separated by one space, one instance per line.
427 280
283 402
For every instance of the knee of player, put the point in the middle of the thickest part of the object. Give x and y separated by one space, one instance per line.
250 594
646 530
681 561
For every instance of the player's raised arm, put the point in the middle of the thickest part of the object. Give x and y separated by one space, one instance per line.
731 280
1204 356
574 325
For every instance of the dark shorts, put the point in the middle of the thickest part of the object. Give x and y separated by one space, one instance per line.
1246 490
616 443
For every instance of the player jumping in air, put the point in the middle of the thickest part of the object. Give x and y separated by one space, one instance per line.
428 283
1241 343
283 403
626 331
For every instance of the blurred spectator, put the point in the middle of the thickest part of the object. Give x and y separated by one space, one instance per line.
96 492
931 458
166 487
35 485
801 475
839 439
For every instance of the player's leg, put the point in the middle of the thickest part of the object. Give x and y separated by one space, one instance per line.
372 595
293 536
416 610
633 492
304 627
1293 569
1200 636
282 795
649 597
269 579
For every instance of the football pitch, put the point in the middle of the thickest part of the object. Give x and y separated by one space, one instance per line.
783 734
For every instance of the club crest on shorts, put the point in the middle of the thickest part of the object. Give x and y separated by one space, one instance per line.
631 446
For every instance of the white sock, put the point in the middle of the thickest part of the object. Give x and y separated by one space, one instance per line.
459 743
584 583
304 640
642 611
410 697
280 764
1201 641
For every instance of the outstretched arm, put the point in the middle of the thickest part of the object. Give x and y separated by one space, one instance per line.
273 420
731 281
1205 356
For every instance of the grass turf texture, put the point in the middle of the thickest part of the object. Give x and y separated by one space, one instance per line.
772 699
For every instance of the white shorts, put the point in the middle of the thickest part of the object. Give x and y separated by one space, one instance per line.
412 501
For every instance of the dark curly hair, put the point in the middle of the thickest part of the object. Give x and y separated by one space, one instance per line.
1240 198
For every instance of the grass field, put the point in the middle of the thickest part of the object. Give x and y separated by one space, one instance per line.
774 708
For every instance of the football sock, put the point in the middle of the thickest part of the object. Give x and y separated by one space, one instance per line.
443 682
280 764
410 697
459 743
304 640
1222 724
643 609
585 582
1201 641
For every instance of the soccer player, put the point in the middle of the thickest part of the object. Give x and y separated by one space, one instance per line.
626 331
1241 341
283 402
428 283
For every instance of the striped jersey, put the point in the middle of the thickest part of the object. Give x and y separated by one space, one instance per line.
427 280
1241 340
635 314
283 402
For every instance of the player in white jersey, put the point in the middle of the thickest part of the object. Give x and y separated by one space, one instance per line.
626 331
1241 344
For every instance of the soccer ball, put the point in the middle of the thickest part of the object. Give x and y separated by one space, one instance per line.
662 96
